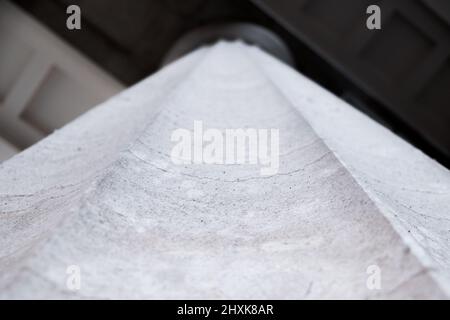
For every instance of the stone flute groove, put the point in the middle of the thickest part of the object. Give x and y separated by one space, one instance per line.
103 194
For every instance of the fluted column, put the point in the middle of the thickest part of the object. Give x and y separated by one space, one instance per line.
104 194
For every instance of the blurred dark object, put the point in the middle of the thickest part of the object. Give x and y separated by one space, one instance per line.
399 75
440 8
131 38
246 32
405 66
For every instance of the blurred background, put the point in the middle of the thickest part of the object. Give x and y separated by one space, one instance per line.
399 75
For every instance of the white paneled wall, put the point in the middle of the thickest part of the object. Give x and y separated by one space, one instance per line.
44 82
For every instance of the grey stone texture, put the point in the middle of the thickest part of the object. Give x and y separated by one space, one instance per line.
103 194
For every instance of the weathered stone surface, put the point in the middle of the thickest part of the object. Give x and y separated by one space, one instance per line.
103 194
